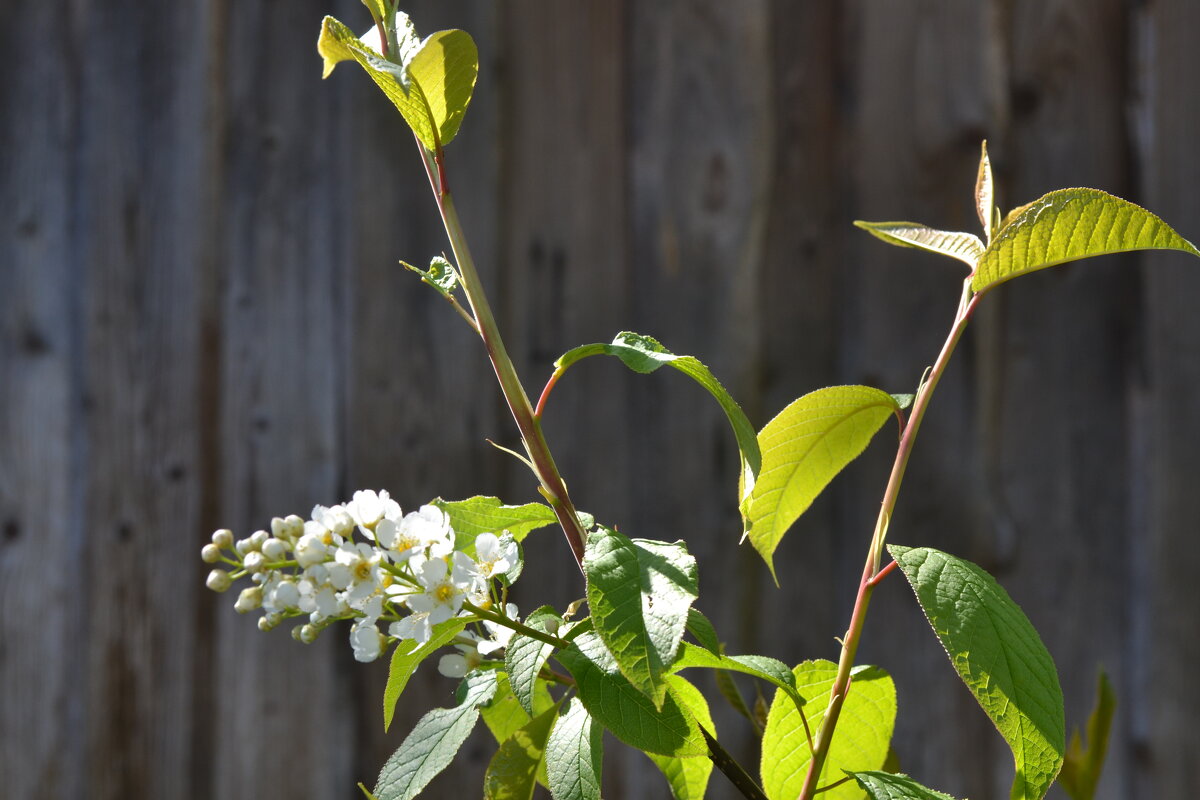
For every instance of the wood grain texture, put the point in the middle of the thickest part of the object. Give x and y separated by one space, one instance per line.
203 324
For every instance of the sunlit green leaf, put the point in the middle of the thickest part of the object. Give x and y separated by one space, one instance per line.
434 741
639 592
621 708
863 732
574 754
999 656
883 786
761 667
408 656
504 714
803 448
512 772
703 631
966 247
688 777
985 192
477 515
645 354
1067 225
430 82
525 656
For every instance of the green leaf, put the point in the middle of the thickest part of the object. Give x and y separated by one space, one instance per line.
434 741
966 247
762 667
477 515
621 708
1068 225
639 592
688 777
999 656
860 743
803 448
440 275
378 9
703 631
882 786
525 656
644 354
512 772
430 82
1082 766
985 193
574 754
407 657
504 715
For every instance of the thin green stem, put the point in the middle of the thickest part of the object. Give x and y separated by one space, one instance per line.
525 630
871 569
553 487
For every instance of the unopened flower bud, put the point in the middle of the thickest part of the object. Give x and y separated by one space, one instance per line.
269 621
274 549
293 527
218 580
223 539
277 526
248 600
308 633
243 546
551 624
255 561
258 538
210 554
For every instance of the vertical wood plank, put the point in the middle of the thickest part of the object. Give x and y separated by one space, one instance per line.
702 163
1172 699
143 247
41 531
922 100
284 323
1056 415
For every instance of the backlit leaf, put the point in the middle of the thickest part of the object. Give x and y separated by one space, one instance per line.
966 247
688 777
477 515
762 667
512 772
883 786
408 656
574 754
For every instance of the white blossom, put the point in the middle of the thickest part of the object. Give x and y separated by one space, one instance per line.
501 634
367 641
493 558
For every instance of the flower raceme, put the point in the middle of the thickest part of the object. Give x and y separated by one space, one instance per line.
368 563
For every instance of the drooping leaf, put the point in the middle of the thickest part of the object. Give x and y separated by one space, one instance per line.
1067 225
639 592
733 695
644 354
985 189
574 754
860 742
966 247
525 656
512 772
621 708
434 741
430 82
477 515
803 448
999 656
440 275
761 667
504 715
884 786
703 631
408 656
1082 766
688 777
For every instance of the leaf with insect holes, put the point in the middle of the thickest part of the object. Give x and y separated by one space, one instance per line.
1067 225
803 448
966 247
430 81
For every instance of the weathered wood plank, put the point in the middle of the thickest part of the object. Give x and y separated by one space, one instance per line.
283 323
41 530
923 99
1171 608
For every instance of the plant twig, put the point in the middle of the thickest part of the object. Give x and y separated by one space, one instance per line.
521 628
732 770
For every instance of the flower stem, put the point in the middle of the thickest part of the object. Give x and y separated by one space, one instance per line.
553 487
872 573
524 630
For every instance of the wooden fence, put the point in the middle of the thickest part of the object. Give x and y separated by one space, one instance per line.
202 324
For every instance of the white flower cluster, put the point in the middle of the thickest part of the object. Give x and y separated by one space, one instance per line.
407 574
